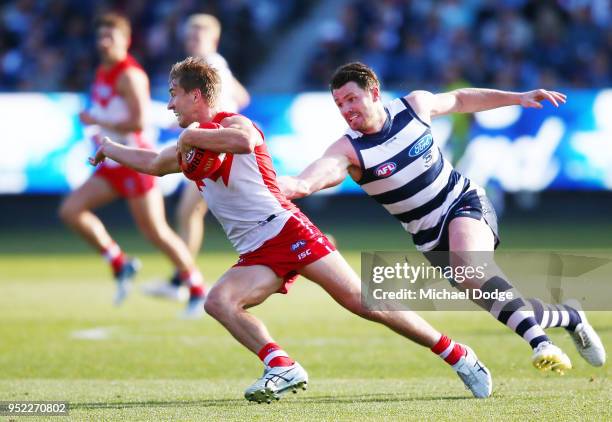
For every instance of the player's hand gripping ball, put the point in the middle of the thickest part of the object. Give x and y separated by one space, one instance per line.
199 163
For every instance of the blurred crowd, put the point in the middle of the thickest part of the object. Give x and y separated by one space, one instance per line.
49 45
507 44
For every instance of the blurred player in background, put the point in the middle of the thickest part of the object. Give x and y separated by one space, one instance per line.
275 240
120 98
202 35
389 151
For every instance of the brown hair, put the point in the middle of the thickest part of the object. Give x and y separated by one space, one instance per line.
195 73
114 20
356 72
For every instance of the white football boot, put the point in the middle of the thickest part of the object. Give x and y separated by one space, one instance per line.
124 278
585 338
276 381
194 308
548 356
473 373
166 290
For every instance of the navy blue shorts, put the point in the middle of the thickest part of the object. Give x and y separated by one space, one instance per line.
472 205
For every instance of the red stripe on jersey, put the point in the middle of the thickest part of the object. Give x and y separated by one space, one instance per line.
105 83
264 163
223 114
224 170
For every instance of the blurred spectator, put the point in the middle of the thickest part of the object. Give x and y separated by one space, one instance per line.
511 44
48 45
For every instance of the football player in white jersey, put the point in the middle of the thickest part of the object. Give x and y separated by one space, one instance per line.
120 98
202 35
276 242
390 145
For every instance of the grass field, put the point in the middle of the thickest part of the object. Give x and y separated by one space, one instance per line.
60 339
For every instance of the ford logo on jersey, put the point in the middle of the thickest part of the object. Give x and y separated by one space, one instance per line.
297 245
421 146
386 169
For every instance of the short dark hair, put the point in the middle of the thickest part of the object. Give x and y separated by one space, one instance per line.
356 72
195 73
114 20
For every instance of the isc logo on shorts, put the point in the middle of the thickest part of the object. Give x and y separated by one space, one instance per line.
298 245
129 185
304 254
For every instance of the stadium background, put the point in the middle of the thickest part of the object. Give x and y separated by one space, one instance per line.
548 171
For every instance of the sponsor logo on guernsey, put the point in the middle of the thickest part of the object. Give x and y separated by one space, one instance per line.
386 169
421 146
298 245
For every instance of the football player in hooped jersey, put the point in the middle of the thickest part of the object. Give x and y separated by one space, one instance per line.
276 242
389 151
120 98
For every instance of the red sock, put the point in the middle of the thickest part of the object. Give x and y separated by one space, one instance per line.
196 291
115 256
192 278
272 355
448 350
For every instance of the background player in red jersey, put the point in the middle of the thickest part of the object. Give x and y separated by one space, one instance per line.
275 240
120 97
202 34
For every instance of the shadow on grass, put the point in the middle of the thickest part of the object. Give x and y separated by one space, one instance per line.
153 403
340 399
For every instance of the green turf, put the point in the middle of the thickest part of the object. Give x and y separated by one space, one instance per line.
153 366
384 234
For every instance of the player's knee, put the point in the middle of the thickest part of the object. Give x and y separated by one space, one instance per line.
217 304
156 234
67 211
356 307
359 309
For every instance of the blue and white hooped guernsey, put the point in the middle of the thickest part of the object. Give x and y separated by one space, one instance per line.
405 172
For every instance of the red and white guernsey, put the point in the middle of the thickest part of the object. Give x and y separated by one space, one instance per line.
244 196
110 107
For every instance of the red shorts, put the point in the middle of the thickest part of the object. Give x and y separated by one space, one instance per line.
298 244
126 182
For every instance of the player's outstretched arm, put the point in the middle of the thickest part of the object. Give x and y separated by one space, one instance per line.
329 170
471 100
142 160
